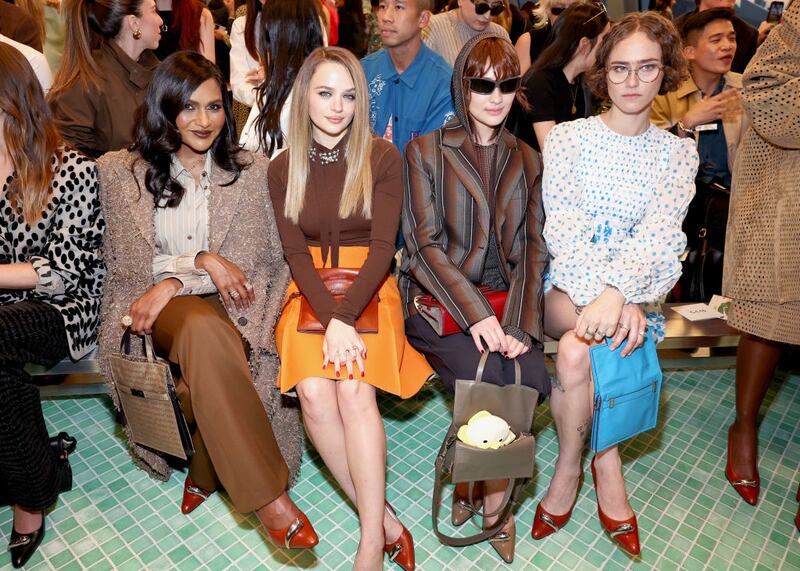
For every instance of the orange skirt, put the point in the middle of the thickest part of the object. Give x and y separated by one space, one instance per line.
393 365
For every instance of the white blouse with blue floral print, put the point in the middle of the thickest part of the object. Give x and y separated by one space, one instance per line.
614 206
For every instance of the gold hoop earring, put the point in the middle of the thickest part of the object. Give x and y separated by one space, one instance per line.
137 33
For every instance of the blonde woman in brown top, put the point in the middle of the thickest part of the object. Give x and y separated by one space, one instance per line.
337 194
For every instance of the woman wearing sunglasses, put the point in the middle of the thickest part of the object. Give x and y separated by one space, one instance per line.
472 217
554 86
615 191
449 31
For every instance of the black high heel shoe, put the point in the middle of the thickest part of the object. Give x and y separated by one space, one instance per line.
23 545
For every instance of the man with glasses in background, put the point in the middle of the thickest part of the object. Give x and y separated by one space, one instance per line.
447 33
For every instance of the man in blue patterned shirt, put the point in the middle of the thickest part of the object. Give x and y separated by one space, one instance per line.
409 84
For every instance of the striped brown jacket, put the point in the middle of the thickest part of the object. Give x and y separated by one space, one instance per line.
446 227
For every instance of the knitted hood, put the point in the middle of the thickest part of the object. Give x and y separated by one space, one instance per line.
457 85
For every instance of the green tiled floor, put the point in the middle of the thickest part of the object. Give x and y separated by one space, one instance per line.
117 518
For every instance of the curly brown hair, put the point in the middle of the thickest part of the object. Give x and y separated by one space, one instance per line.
657 28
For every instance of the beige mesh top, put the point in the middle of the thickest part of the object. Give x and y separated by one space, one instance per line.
762 253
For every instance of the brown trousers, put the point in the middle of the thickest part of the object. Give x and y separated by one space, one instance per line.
233 438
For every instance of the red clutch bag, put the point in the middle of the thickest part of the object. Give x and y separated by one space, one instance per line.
440 319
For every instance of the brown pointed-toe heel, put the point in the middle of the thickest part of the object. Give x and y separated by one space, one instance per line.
545 523
401 550
504 542
299 535
625 532
462 510
747 489
192 496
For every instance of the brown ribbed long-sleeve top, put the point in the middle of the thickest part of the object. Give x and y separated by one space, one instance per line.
320 225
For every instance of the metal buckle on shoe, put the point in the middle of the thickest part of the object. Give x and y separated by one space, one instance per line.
745 483
396 549
622 530
499 537
198 491
19 541
548 520
468 506
296 526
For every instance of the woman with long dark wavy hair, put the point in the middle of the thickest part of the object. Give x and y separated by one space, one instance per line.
195 260
290 31
51 276
554 85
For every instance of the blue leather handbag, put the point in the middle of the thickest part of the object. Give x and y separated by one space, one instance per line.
626 392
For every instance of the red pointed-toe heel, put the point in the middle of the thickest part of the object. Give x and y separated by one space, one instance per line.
545 523
299 535
625 532
747 489
401 551
192 496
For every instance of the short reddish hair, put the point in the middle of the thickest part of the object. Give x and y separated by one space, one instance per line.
658 29
502 59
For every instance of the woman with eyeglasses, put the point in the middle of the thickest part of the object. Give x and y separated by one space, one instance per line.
615 192
531 44
554 86
449 31
472 217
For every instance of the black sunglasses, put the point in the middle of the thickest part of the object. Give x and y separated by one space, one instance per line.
556 10
483 86
493 9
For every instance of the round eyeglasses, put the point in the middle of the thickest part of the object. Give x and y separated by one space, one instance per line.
646 73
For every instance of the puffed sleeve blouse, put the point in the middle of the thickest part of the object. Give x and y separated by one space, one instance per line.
319 225
614 207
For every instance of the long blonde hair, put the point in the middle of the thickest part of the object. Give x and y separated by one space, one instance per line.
358 180
32 141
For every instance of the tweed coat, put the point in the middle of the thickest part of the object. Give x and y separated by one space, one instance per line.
242 229
762 251
446 227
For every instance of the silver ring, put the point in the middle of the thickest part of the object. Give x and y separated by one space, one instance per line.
234 294
642 332
248 285
127 321
625 327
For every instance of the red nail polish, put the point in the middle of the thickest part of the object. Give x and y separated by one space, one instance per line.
363 374
337 373
350 377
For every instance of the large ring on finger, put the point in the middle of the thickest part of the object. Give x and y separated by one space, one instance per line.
234 294
248 285
127 321
590 333
642 332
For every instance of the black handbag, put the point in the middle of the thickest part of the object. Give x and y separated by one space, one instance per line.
62 446
705 224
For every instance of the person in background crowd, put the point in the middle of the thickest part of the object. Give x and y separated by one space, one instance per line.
489 234
706 107
188 25
51 279
195 260
615 190
20 26
337 194
290 31
747 37
96 91
374 42
447 33
36 60
511 20
663 7
247 73
554 86
409 84
331 19
352 27
763 238
532 43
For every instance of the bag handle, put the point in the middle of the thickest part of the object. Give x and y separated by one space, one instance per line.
147 342
509 499
482 366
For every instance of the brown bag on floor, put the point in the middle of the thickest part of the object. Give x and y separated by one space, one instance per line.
150 406
463 463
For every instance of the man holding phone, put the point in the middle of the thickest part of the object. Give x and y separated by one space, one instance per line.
747 37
